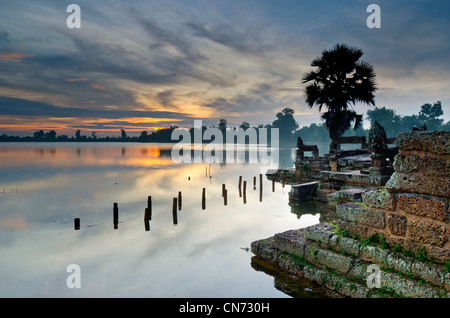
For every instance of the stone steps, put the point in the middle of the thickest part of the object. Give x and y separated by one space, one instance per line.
340 264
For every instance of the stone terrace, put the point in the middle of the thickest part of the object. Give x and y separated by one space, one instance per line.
403 228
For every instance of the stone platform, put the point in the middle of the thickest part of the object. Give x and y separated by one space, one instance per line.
322 254
401 227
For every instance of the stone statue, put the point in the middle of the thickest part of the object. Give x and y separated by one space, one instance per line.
377 139
301 148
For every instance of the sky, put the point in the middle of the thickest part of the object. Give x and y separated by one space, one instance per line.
141 65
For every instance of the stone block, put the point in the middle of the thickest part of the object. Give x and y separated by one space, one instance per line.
397 224
355 213
353 228
406 163
264 248
435 142
429 273
399 263
379 199
338 262
406 287
291 242
433 208
345 244
425 165
374 254
427 232
439 254
418 183
320 233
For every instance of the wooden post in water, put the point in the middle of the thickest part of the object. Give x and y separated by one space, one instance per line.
225 194
254 183
204 199
116 216
76 223
223 190
146 220
273 184
149 207
245 192
179 200
260 180
240 182
174 211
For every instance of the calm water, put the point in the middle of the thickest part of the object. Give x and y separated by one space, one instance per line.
43 187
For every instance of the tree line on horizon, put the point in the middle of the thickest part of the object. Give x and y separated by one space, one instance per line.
285 122
392 123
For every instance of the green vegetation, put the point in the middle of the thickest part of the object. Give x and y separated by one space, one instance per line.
391 122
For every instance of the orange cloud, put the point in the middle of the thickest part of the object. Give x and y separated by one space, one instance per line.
79 79
98 86
14 56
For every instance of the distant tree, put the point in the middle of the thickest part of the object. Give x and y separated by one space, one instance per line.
38 135
387 118
245 125
94 134
286 124
223 124
78 134
429 114
143 136
51 135
123 134
340 80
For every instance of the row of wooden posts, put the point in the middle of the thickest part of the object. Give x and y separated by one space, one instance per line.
177 202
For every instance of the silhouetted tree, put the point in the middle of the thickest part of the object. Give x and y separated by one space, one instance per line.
223 125
429 114
340 80
143 136
123 134
286 124
245 125
38 135
51 135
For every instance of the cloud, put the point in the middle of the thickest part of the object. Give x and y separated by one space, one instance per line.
242 42
20 107
14 57
83 79
98 86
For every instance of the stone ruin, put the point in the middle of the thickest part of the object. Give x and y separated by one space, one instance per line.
402 229
348 172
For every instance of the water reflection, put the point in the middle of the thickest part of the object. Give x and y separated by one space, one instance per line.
289 284
200 256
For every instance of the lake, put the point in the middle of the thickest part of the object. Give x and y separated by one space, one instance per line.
45 186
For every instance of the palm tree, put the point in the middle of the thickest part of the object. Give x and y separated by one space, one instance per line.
339 81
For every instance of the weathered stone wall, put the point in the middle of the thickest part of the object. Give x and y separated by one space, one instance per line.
402 227
412 211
